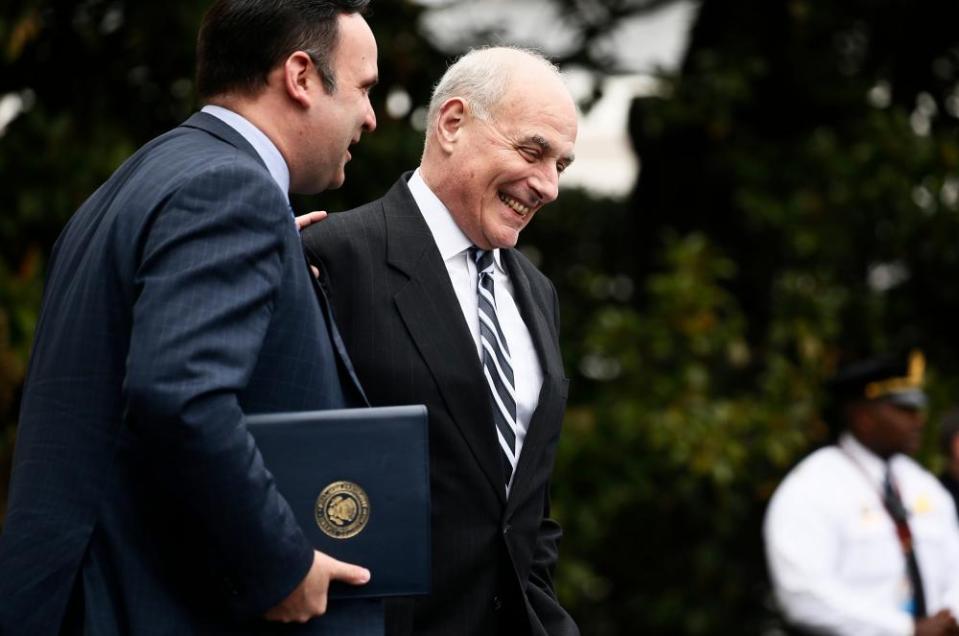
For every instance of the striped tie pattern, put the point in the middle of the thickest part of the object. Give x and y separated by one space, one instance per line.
497 365
897 510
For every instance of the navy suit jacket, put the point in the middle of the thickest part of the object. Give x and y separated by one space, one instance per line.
177 300
493 556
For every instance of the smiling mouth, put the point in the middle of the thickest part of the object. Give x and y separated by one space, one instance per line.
515 205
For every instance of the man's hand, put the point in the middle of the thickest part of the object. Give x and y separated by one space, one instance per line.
306 220
309 597
942 624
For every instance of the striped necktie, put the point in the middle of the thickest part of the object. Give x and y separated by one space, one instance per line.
894 506
497 365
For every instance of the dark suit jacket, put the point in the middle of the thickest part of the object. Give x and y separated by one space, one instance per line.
492 558
178 299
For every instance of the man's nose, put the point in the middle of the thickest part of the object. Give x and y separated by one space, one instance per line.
546 184
369 123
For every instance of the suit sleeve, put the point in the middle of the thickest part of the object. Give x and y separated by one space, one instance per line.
554 619
209 266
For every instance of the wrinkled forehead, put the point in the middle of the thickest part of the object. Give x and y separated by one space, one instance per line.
539 108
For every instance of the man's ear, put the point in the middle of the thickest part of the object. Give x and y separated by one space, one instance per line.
450 122
299 78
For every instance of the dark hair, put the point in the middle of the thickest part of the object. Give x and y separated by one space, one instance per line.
241 41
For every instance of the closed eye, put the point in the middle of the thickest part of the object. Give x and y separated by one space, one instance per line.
530 154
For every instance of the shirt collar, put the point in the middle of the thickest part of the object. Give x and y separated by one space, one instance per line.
265 148
449 238
865 458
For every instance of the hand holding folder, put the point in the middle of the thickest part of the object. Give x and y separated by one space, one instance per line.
310 596
358 482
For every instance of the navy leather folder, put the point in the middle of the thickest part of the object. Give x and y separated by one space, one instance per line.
358 482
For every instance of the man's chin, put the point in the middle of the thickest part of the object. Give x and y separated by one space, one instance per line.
320 183
322 186
338 180
505 240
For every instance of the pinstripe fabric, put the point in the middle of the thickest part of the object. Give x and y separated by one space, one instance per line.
402 323
177 300
497 365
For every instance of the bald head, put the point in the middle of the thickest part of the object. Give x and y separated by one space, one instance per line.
483 77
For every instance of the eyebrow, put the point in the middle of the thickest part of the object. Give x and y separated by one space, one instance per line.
545 146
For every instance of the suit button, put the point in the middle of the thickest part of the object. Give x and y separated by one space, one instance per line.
506 529
497 603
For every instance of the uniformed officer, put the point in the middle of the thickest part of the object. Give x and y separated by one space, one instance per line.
861 539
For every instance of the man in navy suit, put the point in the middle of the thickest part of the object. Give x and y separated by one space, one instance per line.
438 308
178 300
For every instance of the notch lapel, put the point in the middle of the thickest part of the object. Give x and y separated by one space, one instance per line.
432 314
545 422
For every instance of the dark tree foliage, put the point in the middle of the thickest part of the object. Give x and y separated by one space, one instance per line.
769 144
798 203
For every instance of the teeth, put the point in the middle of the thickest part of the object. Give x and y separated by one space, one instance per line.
518 207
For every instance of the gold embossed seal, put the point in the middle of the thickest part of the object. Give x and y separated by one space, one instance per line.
342 510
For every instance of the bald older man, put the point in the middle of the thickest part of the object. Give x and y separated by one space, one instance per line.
437 307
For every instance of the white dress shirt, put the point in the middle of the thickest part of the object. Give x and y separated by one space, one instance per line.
836 564
265 148
453 246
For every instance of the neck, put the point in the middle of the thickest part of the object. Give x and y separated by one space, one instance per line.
432 176
260 114
872 447
436 177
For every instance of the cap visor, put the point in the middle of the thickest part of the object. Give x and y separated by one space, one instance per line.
910 399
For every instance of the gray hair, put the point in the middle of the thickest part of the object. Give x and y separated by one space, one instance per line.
481 77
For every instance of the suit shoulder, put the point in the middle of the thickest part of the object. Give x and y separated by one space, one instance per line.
188 170
184 156
347 230
201 152
536 277
368 214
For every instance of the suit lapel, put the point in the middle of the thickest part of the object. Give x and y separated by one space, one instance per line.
545 420
533 316
432 314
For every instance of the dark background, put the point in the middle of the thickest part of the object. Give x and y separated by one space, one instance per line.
798 204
